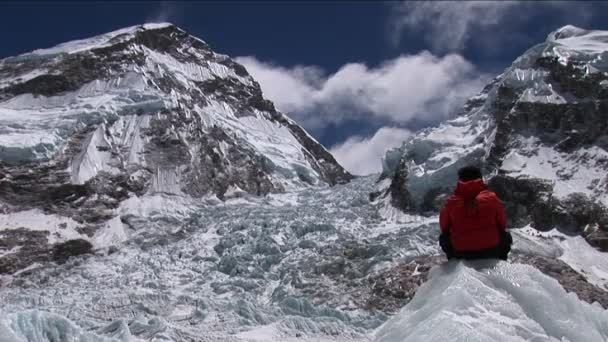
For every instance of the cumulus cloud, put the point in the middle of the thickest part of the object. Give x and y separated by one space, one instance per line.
362 156
420 86
451 25
291 89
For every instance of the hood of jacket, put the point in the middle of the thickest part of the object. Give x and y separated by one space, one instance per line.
470 189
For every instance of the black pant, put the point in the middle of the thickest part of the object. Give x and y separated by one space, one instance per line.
499 252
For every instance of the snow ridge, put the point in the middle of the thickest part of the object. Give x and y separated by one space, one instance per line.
494 301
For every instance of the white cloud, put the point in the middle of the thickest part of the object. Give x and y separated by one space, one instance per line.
446 24
451 25
420 86
167 12
362 156
290 89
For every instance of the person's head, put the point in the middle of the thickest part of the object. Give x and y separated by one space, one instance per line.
469 173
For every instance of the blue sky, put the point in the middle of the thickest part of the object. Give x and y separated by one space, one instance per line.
360 76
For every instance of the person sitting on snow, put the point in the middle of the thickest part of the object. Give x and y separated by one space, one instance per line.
473 221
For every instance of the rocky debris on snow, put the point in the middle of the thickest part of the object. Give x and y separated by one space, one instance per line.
394 288
29 246
26 248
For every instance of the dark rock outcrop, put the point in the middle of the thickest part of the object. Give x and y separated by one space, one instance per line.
400 196
29 247
529 200
597 236
63 251
434 200
525 199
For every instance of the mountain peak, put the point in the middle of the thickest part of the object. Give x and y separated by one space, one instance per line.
537 129
105 39
567 31
119 102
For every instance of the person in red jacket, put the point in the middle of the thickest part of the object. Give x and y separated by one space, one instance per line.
473 221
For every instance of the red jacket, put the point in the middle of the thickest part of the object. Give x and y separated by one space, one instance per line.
474 217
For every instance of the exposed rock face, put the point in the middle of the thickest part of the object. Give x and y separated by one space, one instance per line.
597 236
530 200
526 200
153 60
32 247
63 251
400 196
540 133
143 110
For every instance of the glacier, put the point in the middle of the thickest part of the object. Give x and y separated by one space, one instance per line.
290 266
462 301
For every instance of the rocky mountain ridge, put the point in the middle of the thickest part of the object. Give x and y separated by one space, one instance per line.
146 109
540 132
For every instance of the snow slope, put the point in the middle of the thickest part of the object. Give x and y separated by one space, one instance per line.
470 301
573 250
494 301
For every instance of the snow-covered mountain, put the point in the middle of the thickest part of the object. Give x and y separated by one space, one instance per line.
146 109
153 97
148 192
540 130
